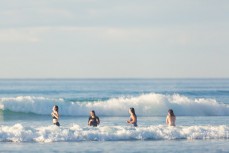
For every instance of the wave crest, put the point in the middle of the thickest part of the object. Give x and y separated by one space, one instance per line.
145 105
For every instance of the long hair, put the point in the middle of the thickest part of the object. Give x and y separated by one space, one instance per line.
170 111
132 111
56 108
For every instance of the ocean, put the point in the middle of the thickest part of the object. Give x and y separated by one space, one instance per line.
201 107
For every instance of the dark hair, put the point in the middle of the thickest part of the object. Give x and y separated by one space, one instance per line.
56 107
93 112
132 111
170 111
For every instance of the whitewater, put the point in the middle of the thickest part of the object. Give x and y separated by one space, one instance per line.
146 105
200 105
20 133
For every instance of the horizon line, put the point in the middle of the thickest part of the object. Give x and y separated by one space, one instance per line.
108 78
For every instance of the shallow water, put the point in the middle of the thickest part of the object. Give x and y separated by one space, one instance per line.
75 129
201 107
196 146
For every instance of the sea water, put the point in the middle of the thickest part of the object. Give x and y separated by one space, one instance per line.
200 105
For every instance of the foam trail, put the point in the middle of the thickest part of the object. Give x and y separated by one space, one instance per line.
145 105
19 133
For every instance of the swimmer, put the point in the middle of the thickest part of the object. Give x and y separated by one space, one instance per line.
55 115
171 118
133 117
93 119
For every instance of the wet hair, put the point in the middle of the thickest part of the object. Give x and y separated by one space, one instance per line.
132 111
56 107
170 111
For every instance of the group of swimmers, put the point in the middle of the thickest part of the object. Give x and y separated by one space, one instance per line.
94 120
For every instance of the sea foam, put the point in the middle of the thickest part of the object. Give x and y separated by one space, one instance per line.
145 105
20 133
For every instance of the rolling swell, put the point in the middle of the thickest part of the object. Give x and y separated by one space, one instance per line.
151 104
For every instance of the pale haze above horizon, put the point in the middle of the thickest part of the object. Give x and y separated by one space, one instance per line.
114 39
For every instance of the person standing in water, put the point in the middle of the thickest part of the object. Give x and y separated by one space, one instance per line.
171 118
133 117
93 119
55 115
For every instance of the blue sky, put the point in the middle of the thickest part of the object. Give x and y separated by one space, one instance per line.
114 39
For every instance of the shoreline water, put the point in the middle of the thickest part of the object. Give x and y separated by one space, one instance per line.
178 146
74 129
201 107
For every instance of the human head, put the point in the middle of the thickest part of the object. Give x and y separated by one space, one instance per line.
55 107
92 113
131 110
170 111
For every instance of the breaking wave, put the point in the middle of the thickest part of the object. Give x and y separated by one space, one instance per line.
19 133
145 105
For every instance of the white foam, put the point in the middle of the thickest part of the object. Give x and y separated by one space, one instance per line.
145 105
19 133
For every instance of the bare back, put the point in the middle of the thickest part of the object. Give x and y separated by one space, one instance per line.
171 120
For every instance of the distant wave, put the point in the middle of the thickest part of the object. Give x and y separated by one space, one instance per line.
146 105
19 133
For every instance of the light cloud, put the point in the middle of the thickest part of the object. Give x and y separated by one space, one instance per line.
18 36
154 35
55 12
103 38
